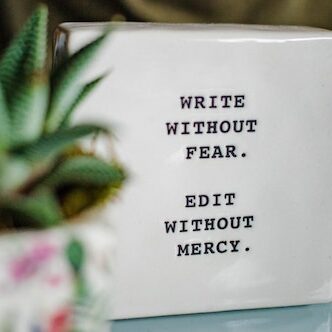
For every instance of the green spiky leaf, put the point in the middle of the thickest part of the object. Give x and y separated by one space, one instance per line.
83 93
24 84
55 143
4 122
65 83
28 110
14 171
85 171
26 53
40 210
36 54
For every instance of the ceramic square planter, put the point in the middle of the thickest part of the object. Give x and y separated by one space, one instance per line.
56 280
227 133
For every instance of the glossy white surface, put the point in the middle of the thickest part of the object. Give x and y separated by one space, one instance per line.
284 181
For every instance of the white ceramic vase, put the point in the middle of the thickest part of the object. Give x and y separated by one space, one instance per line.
56 280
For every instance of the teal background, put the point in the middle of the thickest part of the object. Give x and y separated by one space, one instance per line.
311 318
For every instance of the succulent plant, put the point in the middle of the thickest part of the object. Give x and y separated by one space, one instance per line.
46 177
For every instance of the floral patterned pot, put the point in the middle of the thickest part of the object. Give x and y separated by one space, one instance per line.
56 280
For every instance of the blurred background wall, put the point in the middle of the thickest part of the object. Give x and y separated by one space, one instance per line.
295 12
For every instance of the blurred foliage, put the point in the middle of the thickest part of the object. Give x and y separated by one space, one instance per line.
295 12
42 165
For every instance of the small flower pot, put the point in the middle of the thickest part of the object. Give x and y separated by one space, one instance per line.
56 280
